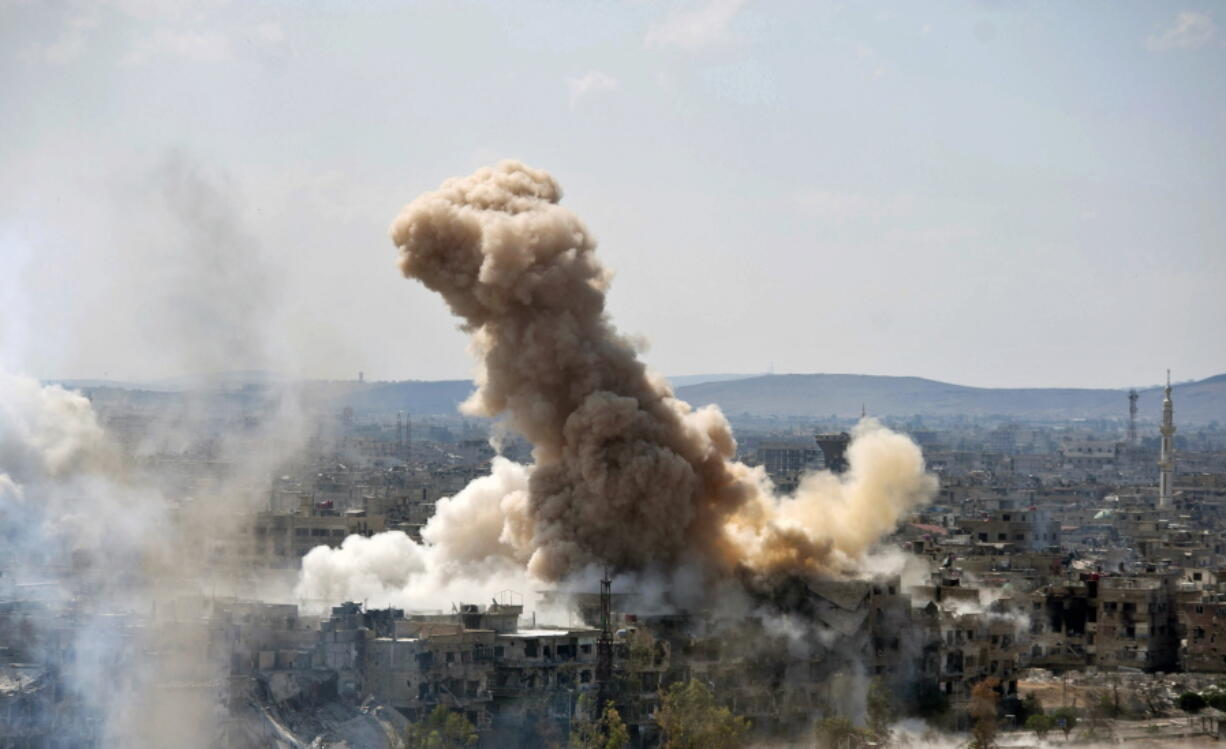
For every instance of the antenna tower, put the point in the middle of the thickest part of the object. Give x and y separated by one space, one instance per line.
604 644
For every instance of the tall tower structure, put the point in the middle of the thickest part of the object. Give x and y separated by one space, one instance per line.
834 448
1166 463
1132 417
604 645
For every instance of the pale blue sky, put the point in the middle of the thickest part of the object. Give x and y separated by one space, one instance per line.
992 193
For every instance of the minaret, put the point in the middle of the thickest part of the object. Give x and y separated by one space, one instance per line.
1166 463
1132 417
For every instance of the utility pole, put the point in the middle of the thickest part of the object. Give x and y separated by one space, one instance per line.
604 644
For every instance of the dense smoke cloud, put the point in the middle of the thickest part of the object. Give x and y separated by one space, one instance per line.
96 546
623 472
67 497
107 539
471 537
104 574
46 432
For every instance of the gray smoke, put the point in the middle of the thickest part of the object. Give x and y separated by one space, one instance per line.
97 546
93 547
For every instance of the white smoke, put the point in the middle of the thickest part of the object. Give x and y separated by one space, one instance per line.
91 533
474 537
97 544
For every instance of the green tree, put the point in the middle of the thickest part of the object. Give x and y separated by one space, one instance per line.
1100 708
837 732
1116 710
1032 705
1191 702
1041 724
606 732
1066 720
689 718
642 648
442 729
1216 698
928 701
879 708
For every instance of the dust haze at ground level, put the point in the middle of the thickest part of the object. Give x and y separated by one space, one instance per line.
1045 552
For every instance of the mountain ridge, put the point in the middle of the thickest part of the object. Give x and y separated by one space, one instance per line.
816 395
844 395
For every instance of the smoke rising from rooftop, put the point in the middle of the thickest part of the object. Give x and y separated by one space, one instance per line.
623 472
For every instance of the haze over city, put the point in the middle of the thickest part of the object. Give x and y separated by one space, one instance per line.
637 374
987 193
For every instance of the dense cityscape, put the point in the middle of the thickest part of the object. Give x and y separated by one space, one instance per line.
1053 561
683 374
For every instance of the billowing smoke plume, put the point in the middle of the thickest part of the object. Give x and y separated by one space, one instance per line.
624 473
468 539
49 440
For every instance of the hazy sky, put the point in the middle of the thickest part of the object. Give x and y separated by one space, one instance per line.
991 193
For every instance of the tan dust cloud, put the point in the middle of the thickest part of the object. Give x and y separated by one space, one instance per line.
623 473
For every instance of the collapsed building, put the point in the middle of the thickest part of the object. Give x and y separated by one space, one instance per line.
513 681
808 649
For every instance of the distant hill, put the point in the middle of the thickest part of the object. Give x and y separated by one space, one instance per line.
819 395
412 396
792 396
432 397
843 395
223 380
86 384
215 381
697 379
